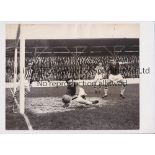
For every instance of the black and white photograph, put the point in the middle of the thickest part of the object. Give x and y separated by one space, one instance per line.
72 76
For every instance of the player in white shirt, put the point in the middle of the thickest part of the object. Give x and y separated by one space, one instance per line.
100 74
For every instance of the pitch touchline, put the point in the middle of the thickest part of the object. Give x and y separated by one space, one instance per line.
24 115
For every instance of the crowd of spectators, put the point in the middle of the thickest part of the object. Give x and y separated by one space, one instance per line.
79 67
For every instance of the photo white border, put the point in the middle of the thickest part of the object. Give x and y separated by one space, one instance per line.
147 106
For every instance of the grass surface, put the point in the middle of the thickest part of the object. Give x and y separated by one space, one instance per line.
114 113
14 120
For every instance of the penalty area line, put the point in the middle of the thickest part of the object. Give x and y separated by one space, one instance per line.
24 115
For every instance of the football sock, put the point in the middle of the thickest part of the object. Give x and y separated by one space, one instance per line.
122 90
105 91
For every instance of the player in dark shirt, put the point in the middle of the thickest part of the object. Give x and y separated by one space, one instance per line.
115 77
77 93
114 68
72 89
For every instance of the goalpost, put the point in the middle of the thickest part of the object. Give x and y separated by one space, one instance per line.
15 70
22 72
15 58
22 68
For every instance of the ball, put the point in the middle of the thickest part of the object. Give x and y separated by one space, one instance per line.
66 99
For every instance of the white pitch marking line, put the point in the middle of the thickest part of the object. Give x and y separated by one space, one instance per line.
24 115
27 122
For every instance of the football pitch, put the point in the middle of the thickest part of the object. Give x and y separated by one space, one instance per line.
45 112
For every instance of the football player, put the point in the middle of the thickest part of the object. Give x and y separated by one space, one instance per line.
77 93
115 77
100 74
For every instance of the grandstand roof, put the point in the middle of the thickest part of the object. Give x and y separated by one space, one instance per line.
61 45
82 42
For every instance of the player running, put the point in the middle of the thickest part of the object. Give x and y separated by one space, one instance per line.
100 74
115 77
77 94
